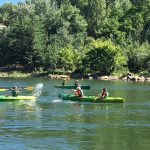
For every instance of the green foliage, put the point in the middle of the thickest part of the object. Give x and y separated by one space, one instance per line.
61 34
8 13
52 56
134 25
138 57
19 40
144 73
95 12
104 57
66 58
121 72
115 10
39 43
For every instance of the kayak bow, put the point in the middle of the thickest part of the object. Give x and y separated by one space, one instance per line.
29 88
93 99
11 98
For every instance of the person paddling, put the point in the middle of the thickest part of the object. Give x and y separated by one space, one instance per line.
79 92
15 91
103 93
76 83
64 82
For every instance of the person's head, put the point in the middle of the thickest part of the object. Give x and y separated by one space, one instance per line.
78 88
15 87
79 85
104 89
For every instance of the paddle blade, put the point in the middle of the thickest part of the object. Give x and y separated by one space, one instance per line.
30 88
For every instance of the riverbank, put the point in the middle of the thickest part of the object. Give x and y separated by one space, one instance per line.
19 74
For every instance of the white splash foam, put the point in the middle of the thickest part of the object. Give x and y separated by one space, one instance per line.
57 100
38 89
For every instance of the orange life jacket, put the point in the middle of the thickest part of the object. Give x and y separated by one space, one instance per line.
78 92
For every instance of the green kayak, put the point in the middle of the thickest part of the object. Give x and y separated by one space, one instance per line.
72 86
10 98
2 90
93 99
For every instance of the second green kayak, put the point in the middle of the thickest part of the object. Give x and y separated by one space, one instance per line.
72 86
93 99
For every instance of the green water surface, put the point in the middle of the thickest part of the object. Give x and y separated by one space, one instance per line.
52 124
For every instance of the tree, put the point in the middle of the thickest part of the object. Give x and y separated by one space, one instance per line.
94 13
39 43
66 30
66 59
20 42
136 25
8 13
104 57
138 57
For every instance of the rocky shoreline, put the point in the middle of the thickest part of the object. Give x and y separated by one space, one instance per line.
57 76
135 78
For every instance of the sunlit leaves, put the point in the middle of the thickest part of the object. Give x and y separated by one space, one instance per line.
104 57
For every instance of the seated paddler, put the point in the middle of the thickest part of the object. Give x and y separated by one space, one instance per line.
103 94
15 91
79 92
64 82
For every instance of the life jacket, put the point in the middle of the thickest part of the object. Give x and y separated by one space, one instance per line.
79 93
14 93
105 94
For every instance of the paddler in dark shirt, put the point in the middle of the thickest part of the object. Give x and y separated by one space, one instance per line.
76 83
15 91
64 82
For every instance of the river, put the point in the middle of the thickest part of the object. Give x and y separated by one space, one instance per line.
49 123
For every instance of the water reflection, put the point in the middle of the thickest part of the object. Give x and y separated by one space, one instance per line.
50 123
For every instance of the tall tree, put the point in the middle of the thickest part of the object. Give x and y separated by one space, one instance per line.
95 12
39 43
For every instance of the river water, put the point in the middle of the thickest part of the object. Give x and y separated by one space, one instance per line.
49 123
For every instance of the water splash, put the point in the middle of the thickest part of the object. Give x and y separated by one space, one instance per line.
56 100
38 90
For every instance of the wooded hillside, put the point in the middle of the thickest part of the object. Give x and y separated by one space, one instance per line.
90 36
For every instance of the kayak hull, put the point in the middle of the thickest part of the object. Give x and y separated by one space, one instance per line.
93 99
11 98
72 86
2 90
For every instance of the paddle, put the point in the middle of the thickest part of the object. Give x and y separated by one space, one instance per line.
96 98
29 88
77 82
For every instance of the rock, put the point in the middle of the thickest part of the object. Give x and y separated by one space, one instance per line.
113 78
56 76
103 78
